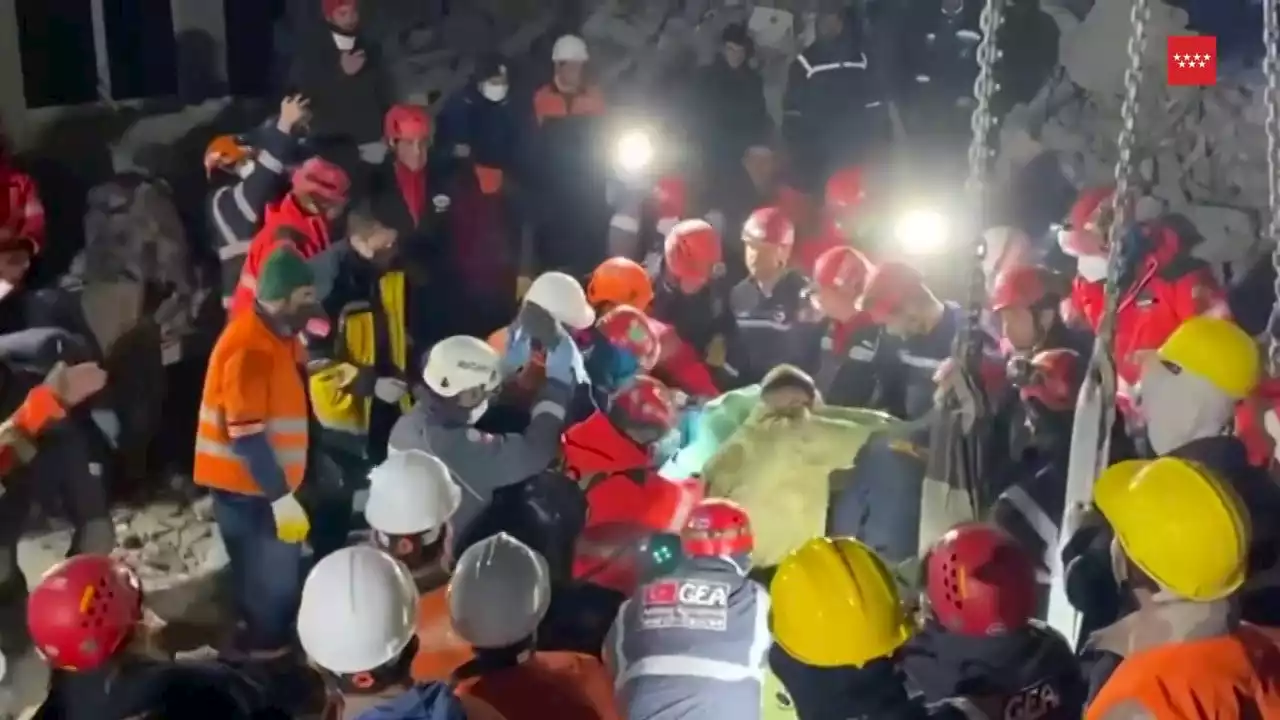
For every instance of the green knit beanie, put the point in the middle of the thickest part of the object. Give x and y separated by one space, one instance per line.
283 272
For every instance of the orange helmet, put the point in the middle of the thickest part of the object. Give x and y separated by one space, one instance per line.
769 226
842 268
620 281
224 152
1022 286
889 286
692 250
845 188
406 122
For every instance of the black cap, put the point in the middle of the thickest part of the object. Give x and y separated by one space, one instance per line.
489 65
737 34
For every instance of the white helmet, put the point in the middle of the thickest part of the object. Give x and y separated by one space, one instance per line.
499 592
410 493
359 610
570 48
562 297
460 363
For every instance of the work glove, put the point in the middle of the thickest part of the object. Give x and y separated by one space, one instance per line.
565 363
292 523
390 390
73 384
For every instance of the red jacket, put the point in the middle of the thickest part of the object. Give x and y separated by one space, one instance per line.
1258 423
21 212
626 500
1168 288
286 213
679 365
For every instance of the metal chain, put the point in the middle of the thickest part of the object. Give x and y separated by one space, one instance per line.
1121 207
982 123
1271 96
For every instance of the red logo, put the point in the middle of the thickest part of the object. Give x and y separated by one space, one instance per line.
1192 60
662 593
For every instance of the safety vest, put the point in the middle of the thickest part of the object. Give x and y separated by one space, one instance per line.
336 408
1236 675
253 384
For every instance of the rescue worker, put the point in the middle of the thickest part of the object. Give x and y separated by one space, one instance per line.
251 448
246 180
727 101
692 295
318 196
692 644
619 281
847 371
1161 284
831 87
1007 248
767 305
837 625
1025 300
356 624
614 456
462 374
923 330
478 142
1181 544
640 223
343 74
844 199
41 411
979 639
623 343
499 594
571 213
358 368
21 211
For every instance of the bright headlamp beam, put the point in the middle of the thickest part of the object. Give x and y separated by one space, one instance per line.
634 151
921 232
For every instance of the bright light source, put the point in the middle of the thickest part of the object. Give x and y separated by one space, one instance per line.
634 152
922 232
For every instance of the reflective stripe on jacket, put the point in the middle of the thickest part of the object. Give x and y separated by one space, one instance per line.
253 384
335 406
1230 676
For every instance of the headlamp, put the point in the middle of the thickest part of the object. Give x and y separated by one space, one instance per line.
633 152
922 232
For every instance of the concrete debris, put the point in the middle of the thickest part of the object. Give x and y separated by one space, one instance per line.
1200 152
168 544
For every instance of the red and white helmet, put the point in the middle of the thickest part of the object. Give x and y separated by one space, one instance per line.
83 610
645 401
629 329
769 226
1023 286
980 582
692 250
717 527
842 269
890 286
1081 234
406 122
321 179
1053 379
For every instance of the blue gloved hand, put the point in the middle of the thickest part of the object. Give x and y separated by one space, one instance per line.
518 351
565 363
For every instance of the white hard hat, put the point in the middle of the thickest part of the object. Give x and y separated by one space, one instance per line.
411 492
460 363
499 592
569 48
359 610
562 297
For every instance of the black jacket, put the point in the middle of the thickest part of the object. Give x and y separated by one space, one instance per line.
727 114
344 108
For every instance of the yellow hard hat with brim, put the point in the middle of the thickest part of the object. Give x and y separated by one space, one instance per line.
1217 350
1180 523
835 604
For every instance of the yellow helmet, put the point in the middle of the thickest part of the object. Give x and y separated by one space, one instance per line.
1180 523
1216 350
835 604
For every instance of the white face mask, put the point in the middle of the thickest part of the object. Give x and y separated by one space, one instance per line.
6 288
494 92
345 43
1092 267
478 412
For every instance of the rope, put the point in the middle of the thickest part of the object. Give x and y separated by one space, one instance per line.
1271 96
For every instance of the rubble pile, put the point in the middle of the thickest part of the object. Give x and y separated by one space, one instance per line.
168 543
1200 152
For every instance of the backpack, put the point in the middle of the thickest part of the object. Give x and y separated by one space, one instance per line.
425 701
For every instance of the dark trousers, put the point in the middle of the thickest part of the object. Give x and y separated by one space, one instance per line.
266 574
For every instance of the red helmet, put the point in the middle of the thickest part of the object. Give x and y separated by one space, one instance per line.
646 401
406 122
692 250
629 329
1053 379
980 582
769 226
1022 286
322 179
1081 233
889 286
82 610
842 268
670 197
717 527
845 189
